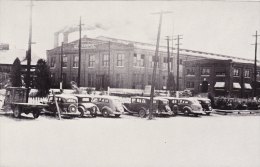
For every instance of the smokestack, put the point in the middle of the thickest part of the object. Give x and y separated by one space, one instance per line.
56 39
65 37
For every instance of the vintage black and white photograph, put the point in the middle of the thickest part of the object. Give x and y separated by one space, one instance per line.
121 83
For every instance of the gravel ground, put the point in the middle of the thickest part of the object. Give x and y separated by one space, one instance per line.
207 141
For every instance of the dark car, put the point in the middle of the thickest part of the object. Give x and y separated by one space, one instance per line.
68 104
185 106
108 105
85 106
140 106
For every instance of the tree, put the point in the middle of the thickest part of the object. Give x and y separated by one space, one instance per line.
43 78
16 73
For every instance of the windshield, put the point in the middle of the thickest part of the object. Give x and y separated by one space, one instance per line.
85 99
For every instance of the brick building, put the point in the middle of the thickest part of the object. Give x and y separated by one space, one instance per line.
221 77
112 62
120 63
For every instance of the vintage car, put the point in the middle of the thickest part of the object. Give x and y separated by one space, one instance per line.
68 104
108 105
205 104
85 106
140 106
186 106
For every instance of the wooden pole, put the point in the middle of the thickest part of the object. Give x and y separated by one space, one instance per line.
57 106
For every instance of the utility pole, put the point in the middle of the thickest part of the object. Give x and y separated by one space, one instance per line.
109 57
61 62
178 60
29 55
79 52
255 65
155 65
168 60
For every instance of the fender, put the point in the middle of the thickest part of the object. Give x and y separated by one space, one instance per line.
108 109
186 107
83 108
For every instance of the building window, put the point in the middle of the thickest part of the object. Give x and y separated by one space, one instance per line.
75 61
247 73
151 61
119 80
165 63
258 73
120 60
236 72
190 71
53 63
91 80
149 79
189 84
53 78
91 61
139 60
65 61
105 61
205 71
180 61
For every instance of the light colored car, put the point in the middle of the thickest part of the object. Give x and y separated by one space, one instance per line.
205 104
109 105
85 106
186 106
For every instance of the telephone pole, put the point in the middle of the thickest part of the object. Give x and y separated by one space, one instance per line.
255 65
155 64
168 61
178 60
61 70
29 56
79 63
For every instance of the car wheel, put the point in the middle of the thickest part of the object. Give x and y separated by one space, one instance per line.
17 112
117 115
208 113
36 113
105 113
81 112
142 113
93 112
186 112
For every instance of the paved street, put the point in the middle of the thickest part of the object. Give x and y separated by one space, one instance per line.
218 141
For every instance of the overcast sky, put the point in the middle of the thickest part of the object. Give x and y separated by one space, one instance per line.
218 27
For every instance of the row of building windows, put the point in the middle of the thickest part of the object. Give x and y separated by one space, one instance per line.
207 71
138 61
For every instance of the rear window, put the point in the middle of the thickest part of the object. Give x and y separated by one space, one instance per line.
70 100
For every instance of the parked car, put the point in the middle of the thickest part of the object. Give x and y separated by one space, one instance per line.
85 106
108 105
185 106
68 104
140 105
205 104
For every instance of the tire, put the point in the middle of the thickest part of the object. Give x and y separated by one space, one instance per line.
208 113
17 112
186 111
93 112
117 115
36 114
81 112
72 108
142 113
105 113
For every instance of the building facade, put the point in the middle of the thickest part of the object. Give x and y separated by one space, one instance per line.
109 62
221 77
